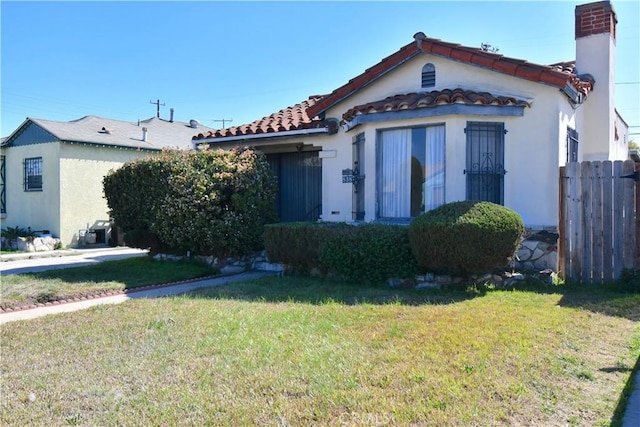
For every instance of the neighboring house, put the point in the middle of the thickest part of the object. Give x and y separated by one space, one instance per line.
51 172
437 122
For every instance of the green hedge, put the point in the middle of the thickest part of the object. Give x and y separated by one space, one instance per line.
369 253
465 237
298 244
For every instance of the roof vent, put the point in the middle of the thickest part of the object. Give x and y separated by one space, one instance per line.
193 123
105 130
144 134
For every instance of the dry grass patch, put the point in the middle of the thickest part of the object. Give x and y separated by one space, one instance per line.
300 352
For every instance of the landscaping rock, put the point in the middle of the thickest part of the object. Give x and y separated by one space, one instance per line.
428 285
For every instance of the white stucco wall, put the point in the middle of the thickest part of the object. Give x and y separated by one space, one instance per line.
39 210
535 144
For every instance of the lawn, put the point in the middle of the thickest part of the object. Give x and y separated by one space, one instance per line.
297 351
54 285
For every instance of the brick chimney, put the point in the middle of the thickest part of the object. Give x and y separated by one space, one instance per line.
595 18
595 55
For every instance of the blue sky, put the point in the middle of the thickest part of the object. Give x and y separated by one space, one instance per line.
244 60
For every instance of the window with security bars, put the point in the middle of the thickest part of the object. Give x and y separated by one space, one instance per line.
429 75
572 145
485 161
33 174
3 186
358 173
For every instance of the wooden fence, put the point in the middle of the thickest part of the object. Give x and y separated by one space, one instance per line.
598 225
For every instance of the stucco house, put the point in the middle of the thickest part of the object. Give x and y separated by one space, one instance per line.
437 122
52 171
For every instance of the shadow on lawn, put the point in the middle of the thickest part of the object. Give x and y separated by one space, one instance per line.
603 301
322 291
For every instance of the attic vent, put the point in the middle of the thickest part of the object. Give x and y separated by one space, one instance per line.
193 123
105 130
429 75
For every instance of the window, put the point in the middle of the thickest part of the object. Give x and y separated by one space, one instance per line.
572 145
485 161
3 186
411 171
358 172
429 75
33 174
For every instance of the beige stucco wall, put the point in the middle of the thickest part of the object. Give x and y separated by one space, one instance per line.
82 202
39 210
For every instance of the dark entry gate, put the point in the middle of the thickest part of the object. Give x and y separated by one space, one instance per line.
299 185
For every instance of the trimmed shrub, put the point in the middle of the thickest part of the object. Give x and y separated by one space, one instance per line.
206 202
465 237
370 253
298 244
135 190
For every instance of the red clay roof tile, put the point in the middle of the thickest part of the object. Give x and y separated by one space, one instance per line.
558 75
291 118
417 100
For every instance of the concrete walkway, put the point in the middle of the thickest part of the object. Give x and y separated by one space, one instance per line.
632 411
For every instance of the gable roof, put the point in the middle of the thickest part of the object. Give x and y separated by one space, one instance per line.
309 114
93 130
557 76
291 119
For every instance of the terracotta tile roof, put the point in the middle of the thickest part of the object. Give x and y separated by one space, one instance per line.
287 119
555 76
417 100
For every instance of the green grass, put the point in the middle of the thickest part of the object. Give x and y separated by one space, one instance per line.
53 285
297 351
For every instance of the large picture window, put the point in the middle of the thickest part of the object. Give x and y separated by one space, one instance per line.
33 174
410 171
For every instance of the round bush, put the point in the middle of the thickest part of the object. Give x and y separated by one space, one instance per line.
465 237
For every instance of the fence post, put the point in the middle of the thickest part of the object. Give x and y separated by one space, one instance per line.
607 221
628 243
562 231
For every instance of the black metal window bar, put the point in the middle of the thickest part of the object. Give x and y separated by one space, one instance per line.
33 174
572 145
358 177
485 161
3 186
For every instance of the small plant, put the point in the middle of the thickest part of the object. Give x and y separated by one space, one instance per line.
10 235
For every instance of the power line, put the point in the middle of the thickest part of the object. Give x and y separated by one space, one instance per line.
223 121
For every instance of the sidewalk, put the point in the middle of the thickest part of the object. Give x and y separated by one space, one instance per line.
33 262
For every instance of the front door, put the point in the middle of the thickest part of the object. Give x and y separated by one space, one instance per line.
485 161
299 185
